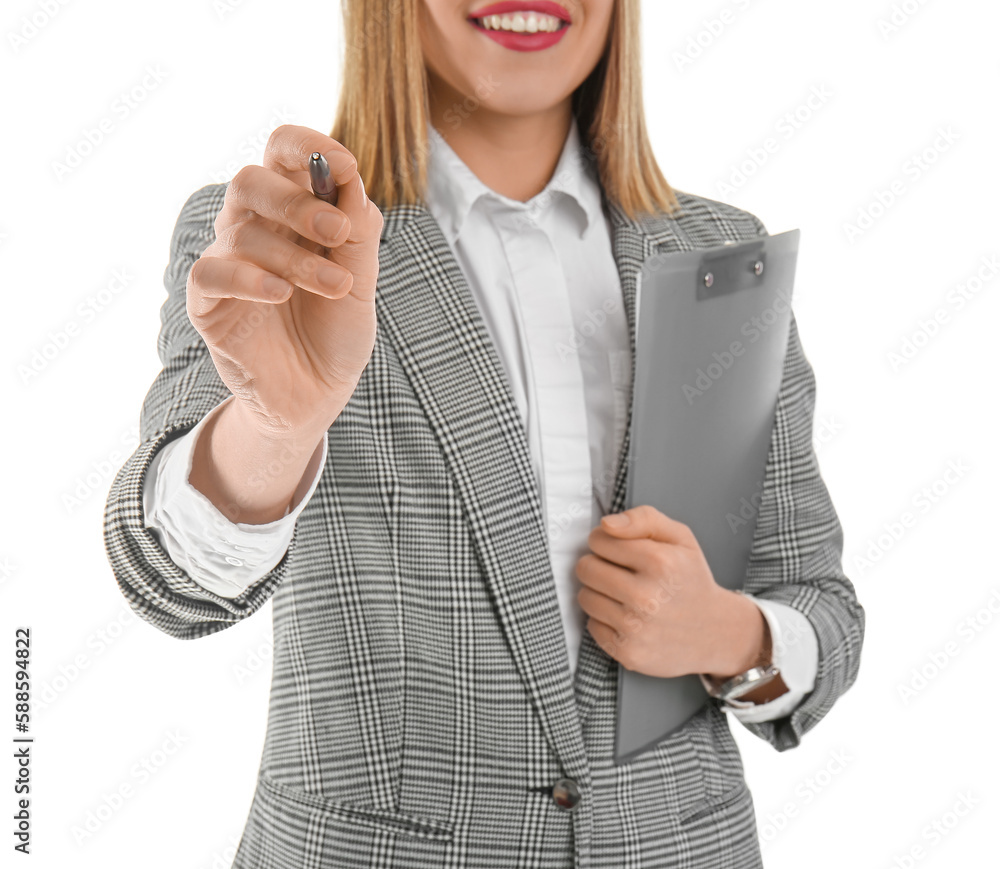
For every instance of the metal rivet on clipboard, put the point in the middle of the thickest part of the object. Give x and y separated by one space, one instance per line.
757 267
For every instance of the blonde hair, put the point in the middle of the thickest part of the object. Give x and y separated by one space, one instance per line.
382 114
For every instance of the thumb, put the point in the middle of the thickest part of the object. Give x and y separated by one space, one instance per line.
646 521
628 523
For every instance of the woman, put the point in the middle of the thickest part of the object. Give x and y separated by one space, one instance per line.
363 416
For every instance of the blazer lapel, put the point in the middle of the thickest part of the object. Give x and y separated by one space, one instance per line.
427 309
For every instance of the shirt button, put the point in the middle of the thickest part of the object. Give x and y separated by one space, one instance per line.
566 794
233 561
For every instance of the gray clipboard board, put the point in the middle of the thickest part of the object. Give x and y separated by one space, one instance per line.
712 332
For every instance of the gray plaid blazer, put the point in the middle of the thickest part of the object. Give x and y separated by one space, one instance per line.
421 702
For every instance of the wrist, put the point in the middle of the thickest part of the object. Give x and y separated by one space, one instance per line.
250 476
748 634
270 437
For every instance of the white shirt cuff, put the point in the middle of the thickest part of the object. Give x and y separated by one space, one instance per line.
794 651
222 556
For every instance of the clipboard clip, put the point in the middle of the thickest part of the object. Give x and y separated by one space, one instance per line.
723 272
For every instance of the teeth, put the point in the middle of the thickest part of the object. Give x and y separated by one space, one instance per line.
522 22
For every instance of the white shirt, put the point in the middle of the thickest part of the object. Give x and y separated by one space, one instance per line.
547 285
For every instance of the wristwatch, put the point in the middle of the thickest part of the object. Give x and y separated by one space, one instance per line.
740 684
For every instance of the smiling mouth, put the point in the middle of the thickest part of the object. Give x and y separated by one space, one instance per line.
521 22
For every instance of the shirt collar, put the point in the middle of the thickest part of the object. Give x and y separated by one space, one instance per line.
453 188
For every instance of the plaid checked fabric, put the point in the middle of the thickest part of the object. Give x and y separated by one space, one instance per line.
421 703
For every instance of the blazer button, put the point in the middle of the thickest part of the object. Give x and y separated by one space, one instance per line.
566 794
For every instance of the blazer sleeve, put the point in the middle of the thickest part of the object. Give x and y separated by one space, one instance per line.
796 554
185 391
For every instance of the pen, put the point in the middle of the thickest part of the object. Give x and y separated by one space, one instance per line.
323 184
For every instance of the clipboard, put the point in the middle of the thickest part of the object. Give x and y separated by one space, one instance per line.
711 337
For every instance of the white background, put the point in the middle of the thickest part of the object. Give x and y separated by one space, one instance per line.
110 692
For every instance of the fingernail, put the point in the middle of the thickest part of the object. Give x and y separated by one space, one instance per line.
330 276
275 286
617 519
328 225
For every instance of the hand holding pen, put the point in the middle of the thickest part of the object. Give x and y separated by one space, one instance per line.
297 237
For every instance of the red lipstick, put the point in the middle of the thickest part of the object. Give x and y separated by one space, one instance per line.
523 41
